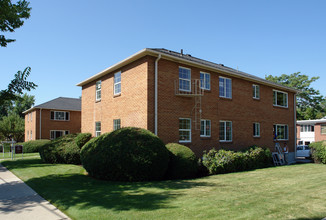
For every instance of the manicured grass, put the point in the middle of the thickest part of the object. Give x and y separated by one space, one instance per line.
7 155
289 192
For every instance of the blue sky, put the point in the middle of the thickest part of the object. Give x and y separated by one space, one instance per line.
65 42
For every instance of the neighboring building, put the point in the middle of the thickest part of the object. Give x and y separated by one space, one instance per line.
188 100
53 119
309 131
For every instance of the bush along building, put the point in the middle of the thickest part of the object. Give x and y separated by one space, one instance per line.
53 119
190 101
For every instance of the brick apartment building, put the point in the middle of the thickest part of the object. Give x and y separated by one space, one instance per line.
188 100
309 131
53 119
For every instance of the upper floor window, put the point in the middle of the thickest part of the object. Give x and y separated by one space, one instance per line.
184 79
256 129
116 124
205 128
225 87
225 131
97 128
280 98
98 90
255 92
117 83
184 130
307 128
205 81
281 132
61 116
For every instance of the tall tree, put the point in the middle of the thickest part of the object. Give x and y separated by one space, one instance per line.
12 126
18 106
17 86
11 17
308 100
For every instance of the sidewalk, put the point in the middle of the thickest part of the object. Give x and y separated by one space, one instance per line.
19 201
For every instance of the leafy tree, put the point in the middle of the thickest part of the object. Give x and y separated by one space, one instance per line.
17 86
13 125
11 17
308 99
18 106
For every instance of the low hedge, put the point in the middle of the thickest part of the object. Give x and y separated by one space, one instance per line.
61 150
224 161
183 162
33 146
318 151
127 154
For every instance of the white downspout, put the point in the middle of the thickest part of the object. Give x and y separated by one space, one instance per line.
40 123
156 91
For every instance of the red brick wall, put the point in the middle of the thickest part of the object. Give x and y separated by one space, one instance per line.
318 135
30 125
73 125
242 110
130 106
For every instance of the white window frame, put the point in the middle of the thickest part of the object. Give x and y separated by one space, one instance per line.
64 132
98 90
98 132
205 126
276 129
64 113
203 83
224 87
116 83
256 129
116 124
224 140
256 91
185 79
321 129
182 129
275 98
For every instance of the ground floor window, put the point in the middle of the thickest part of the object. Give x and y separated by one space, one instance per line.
184 130
256 129
116 124
281 132
225 131
57 133
323 129
97 128
205 128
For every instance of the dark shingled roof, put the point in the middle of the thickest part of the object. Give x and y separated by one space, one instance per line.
61 103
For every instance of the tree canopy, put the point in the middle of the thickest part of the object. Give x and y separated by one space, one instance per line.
18 106
11 17
309 100
12 126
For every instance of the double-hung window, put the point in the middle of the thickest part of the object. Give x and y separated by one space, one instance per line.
184 79
60 116
98 90
57 133
97 128
307 128
205 81
255 92
280 98
205 128
117 83
256 129
184 130
116 124
323 129
225 87
225 131
281 132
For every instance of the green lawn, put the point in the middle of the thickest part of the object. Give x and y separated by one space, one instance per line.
7 155
289 192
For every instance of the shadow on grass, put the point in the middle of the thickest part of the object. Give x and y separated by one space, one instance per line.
84 192
25 163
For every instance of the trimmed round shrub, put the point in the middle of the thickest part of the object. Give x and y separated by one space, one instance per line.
183 162
318 151
127 154
61 150
33 146
82 139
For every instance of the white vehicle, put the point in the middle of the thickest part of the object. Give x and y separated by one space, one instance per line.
303 151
